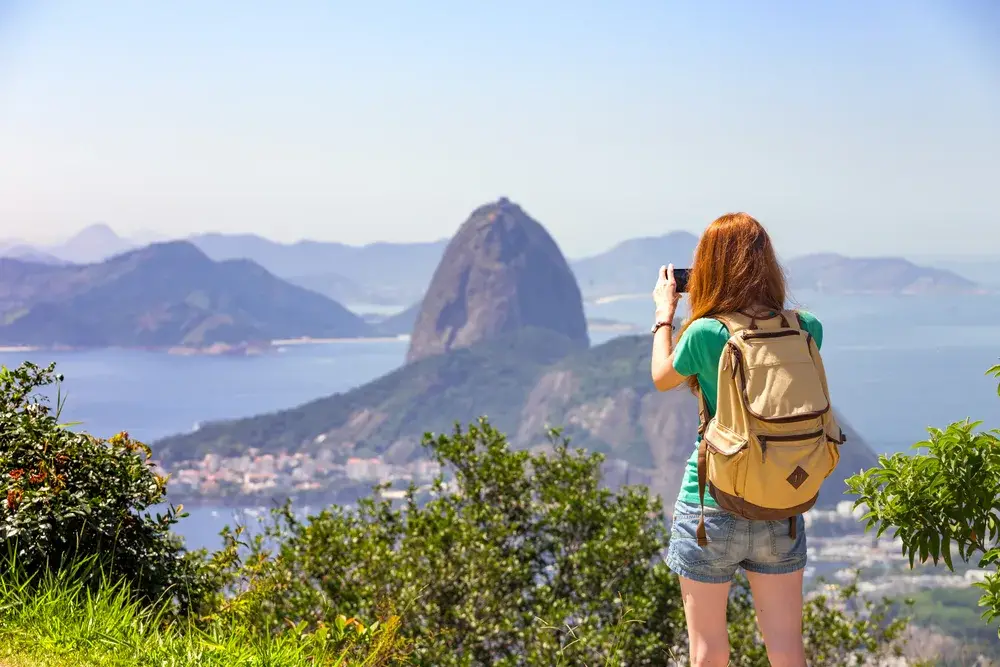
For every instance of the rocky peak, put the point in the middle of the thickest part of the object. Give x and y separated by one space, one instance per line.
500 272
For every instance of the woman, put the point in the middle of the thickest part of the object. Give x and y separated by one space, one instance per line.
734 269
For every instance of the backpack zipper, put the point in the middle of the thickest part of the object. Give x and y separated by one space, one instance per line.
770 334
764 439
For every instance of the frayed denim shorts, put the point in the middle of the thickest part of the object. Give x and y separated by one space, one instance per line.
764 547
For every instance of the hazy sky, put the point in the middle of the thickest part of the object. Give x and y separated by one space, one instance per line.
861 127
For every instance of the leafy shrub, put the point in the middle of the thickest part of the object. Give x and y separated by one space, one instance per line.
523 559
948 497
69 497
526 560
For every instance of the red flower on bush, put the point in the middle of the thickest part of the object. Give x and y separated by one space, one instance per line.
13 498
38 477
16 474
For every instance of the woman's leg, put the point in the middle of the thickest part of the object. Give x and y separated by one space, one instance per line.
705 611
777 599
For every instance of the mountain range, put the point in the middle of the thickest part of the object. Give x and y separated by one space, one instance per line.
377 273
398 274
99 289
162 295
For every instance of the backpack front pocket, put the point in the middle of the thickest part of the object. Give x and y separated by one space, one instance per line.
790 469
727 455
778 378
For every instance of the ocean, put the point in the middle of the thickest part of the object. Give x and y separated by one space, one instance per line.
896 365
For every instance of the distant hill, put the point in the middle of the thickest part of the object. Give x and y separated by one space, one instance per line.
27 253
385 273
400 324
523 382
630 267
982 269
91 244
501 272
163 295
836 273
377 273
390 273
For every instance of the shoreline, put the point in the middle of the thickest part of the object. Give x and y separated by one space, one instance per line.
326 341
218 349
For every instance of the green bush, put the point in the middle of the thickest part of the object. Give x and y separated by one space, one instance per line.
526 560
71 497
944 499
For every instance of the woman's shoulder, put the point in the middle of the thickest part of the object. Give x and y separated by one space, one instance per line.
707 329
707 325
812 324
808 319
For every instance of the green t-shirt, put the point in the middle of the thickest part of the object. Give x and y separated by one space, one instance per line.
698 353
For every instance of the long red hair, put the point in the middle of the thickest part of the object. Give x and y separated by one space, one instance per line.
735 267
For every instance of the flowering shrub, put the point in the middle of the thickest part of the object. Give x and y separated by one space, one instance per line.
68 497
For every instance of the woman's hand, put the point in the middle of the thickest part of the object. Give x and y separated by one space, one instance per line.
665 295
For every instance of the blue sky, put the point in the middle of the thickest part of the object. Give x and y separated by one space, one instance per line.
859 127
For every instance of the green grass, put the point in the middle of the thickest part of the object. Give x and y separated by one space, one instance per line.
59 623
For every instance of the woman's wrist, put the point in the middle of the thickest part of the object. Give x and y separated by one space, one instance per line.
665 315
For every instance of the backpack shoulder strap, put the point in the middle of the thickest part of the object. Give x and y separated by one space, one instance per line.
732 325
794 319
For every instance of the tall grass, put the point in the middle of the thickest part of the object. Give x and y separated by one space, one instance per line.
57 621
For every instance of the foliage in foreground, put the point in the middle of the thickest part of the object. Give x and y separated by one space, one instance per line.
948 497
56 620
70 497
524 560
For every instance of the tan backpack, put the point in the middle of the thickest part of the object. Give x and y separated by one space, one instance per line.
773 439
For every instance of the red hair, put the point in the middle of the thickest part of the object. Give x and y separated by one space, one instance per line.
735 267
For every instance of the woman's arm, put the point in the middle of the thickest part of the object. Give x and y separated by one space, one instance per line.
665 296
665 376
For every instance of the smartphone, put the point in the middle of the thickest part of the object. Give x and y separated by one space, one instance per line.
681 278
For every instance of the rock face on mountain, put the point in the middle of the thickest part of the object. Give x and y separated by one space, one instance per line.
501 272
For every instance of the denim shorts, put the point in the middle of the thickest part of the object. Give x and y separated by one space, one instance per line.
764 547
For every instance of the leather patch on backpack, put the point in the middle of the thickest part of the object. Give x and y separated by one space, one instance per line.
798 477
